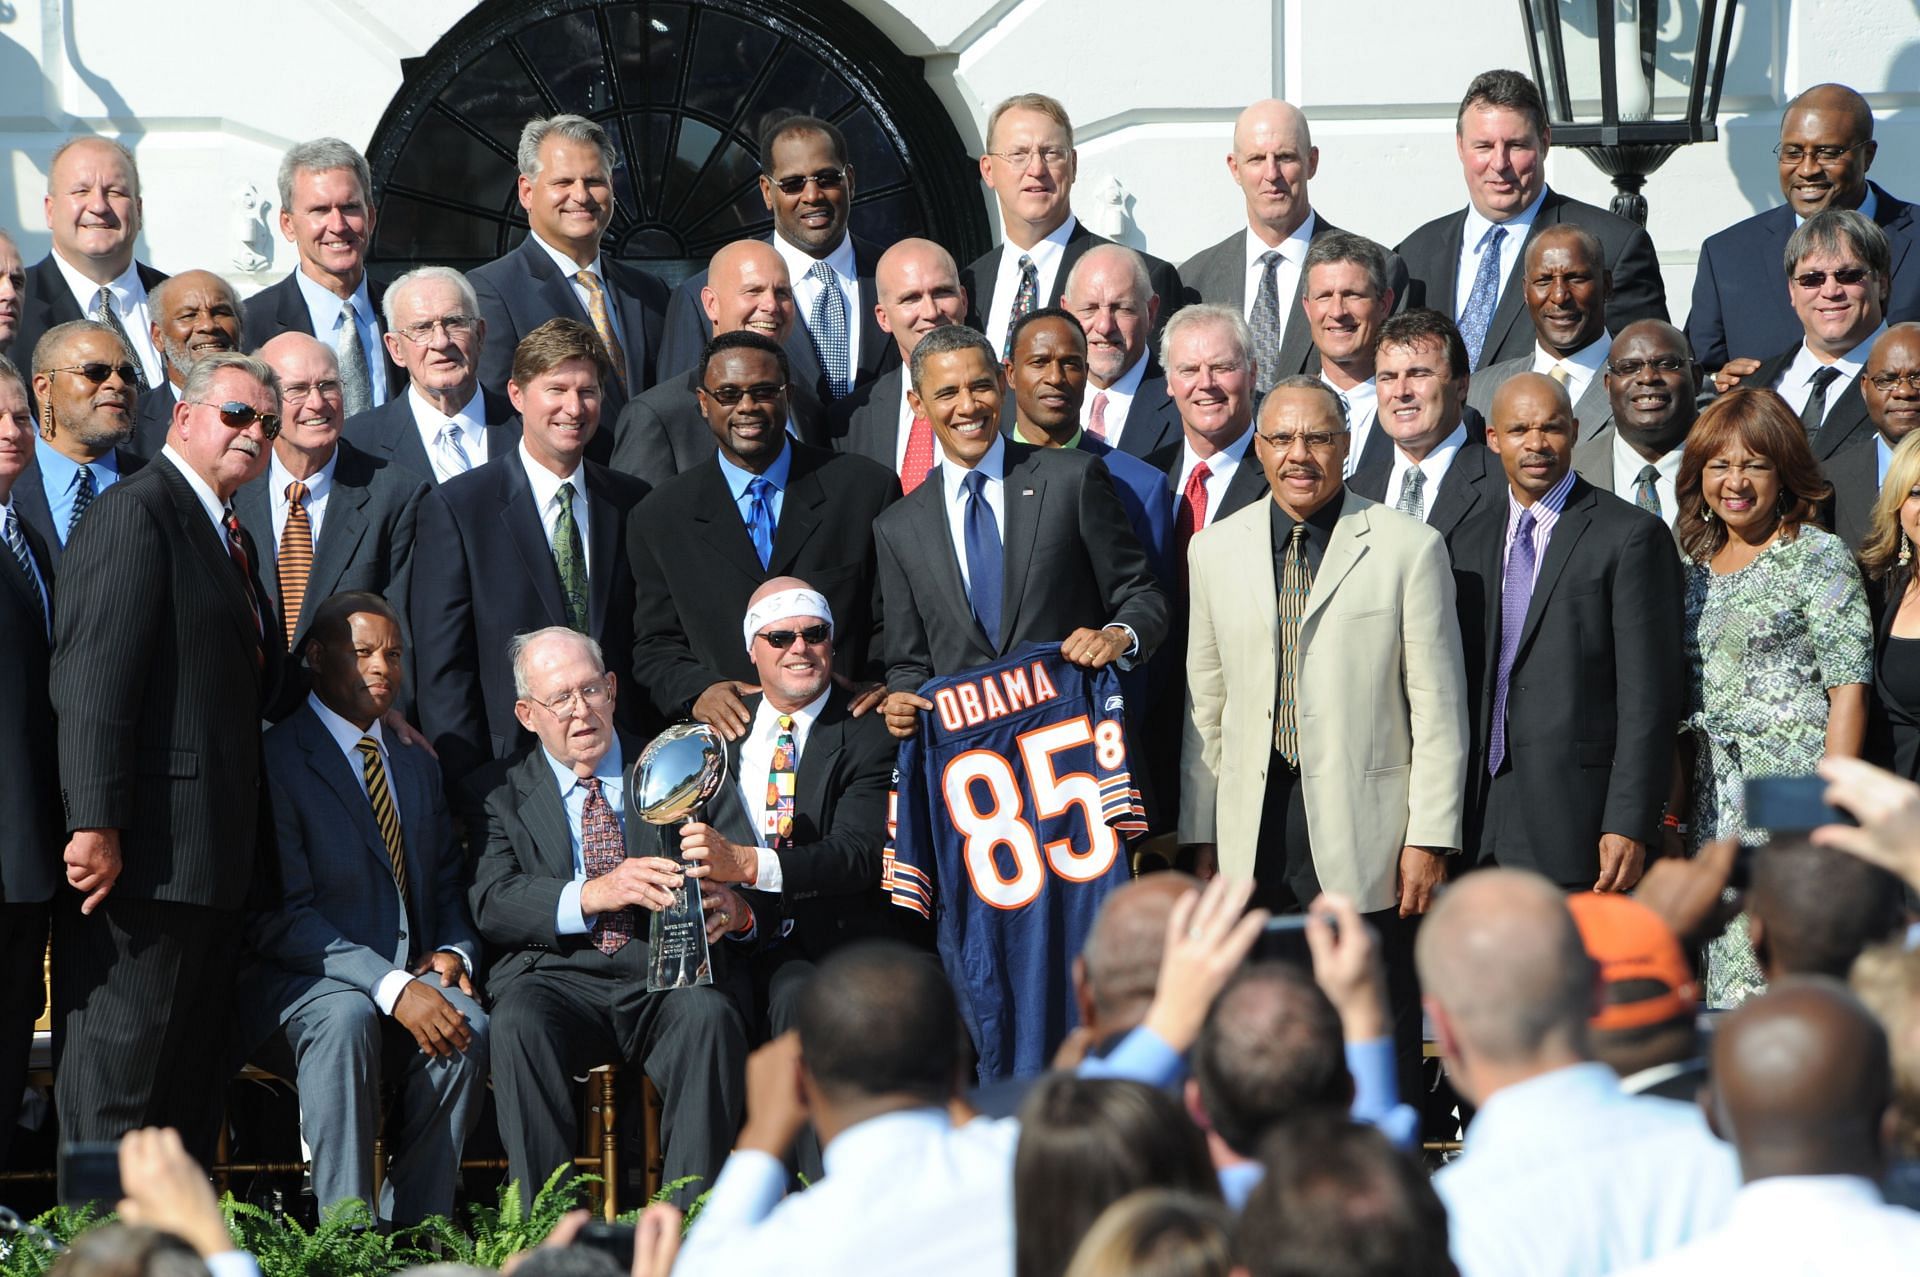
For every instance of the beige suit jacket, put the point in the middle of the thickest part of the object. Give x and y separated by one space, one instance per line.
1383 707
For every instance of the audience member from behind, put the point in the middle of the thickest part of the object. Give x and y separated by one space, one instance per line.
169 1223
1645 1029
1812 910
1563 1172
1157 1232
1339 1201
1084 1144
1115 975
1801 1089
873 1065
1887 979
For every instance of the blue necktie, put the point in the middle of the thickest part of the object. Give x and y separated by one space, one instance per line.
760 519
983 557
1478 315
82 498
1516 592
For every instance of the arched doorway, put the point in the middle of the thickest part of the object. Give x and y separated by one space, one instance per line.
684 88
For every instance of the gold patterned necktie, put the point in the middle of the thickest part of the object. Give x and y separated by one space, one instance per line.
603 323
1296 582
295 561
385 814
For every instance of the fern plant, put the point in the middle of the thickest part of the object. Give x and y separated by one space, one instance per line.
492 1233
346 1243
27 1254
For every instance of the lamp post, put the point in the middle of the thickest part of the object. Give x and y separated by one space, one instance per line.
1596 61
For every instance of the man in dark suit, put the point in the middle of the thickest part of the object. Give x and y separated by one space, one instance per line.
1837 273
663 432
165 652
13 292
1740 302
565 909
1652 388
1464 264
327 214
327 518
762 504
1260 269
917 289
445 423
94 213
368 955
566 187
1431 465
195 313
960 591
1110 292
1890 390
29 778
1564 281
1210 473
84 427
535 537
1030 165
806 181
1347 292
1570 603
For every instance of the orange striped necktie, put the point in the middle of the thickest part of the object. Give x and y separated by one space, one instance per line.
296 556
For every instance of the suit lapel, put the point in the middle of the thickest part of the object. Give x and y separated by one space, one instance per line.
1079 240
543 813
30 505
1022 493
800 512
1846 422
523 527
934 540
340 532
208 547
1460 489
556 291
603 531
633 328
1593 458
728 809
817 763
722 528
1344 549
254 504
1575 517
326 762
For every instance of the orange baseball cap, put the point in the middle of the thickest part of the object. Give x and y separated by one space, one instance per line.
1646 975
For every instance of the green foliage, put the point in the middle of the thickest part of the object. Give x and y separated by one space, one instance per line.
346 1243
494 1232
27 1254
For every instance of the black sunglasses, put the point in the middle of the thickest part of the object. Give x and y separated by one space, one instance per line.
1845 276
98 373
239 416
826 179
781 640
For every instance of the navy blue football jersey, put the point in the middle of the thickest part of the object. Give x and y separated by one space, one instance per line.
1011 811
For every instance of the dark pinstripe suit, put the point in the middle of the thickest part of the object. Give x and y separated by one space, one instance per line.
159 675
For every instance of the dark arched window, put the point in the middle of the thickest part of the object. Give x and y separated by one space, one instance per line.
684 89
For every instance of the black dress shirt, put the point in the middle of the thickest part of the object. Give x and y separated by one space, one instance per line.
1319 532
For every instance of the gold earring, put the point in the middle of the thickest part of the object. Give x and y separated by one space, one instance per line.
1906 549
46 422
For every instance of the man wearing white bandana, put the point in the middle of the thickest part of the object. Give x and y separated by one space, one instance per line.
802 827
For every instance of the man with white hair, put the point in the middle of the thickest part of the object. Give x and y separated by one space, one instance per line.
1110 292
804 822
446 423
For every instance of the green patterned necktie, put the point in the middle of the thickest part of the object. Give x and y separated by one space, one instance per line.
1296 582
570 559
1646 493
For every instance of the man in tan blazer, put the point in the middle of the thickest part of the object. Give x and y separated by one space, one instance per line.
1357 786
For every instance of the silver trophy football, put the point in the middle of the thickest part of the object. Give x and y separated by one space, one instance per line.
678 771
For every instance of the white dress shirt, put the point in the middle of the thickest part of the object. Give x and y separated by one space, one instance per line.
1120 397
323 312
129 302
432 425
756 766
1220 468
569 268
1807 1225
1472 232
611 773
904 431
546 499
1046 257
1567 1174
994 466
806 289
319 487
1286 271
1582 366
1546 513
1627 465
1796 383
1433 466
216 508
1363 414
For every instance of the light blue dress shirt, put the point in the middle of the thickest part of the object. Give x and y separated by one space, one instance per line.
1567 1174
323 310
738 479
60 475
567 918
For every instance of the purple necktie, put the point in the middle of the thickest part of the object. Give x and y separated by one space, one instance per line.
1515 593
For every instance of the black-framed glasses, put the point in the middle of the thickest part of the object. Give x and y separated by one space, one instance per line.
1846 276
592 696
827 179
1885 382
299 390
728 396
1794 153
1316 440
1634 367
781 640
239 416
454 326
97 373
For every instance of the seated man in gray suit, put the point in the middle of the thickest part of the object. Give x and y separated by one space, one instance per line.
367 963
1565 282
564 910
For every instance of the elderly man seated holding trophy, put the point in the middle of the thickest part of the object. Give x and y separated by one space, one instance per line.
600 948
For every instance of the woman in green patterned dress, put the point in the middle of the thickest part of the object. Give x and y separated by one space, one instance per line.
1778 640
